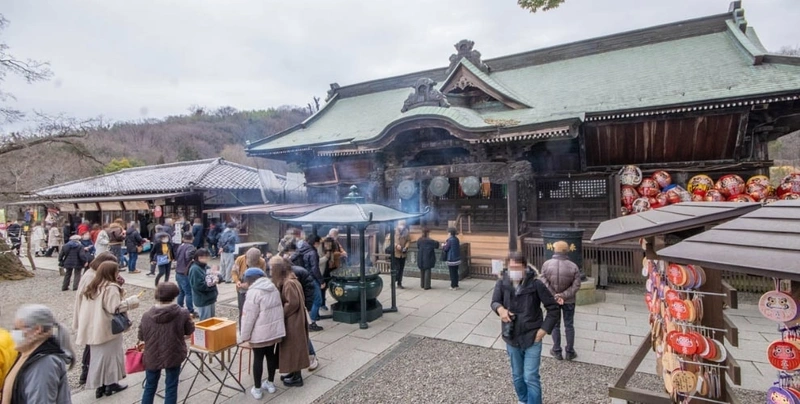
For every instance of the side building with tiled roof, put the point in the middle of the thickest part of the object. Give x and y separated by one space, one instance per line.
152 193
535 139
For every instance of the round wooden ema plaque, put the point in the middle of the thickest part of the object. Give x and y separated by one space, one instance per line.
679 310
778 306
784 355
684 381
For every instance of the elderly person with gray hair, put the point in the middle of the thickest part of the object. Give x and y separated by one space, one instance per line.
39 375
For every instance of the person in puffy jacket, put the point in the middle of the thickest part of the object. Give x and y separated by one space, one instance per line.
163 329
452 255
72 258
262 327
39 373
203 281
563 279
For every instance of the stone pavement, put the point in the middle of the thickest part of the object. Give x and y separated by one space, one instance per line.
607 333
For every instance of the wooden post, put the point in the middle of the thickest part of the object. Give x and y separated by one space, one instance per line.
512 200
712 306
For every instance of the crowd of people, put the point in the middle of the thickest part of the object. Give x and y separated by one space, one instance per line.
279 300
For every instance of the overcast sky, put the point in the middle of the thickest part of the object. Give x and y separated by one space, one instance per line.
128 60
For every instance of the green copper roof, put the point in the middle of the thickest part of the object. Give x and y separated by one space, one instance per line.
713 66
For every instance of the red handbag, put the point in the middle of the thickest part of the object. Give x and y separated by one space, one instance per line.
134 359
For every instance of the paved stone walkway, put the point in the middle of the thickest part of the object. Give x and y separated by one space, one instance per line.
607 334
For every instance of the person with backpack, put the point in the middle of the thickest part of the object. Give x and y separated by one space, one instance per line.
72 258
184 255
161 255
227 249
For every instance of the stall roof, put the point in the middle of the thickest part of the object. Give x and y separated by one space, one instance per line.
669 219
109 198
765 242
276 209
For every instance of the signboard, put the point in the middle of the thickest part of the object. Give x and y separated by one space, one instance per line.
136 205
87 207
110 206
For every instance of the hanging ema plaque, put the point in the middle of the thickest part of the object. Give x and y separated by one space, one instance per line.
439 186
406 189
470 186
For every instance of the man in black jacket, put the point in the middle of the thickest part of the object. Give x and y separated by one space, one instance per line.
426 258
518 298
311 263
72 258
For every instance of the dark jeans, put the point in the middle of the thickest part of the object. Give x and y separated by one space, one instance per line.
213 249
51 250
163 270
453 275
116 249
568 314
132 258
87 356
185 292
68 274
271 353
314 314
240 302
151 385
398 264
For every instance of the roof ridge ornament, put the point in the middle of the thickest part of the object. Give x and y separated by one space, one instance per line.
464 51
737 11
425 94
332 92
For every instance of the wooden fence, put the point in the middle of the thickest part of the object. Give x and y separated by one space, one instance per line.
623 261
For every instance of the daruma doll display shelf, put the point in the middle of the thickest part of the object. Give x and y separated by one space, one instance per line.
214 334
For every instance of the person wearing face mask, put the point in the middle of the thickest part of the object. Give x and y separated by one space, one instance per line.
517 299
204 285
88 246
161 257
39 373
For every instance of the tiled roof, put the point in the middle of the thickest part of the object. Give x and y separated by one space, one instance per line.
183 176
686 63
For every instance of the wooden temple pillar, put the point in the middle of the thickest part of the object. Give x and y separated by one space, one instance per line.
512 199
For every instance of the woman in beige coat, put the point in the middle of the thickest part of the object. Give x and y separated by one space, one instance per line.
262 327
103 297
293 352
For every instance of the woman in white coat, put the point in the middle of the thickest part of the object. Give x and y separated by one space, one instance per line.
262 327
101 244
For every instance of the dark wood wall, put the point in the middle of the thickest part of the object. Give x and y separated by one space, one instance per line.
708 138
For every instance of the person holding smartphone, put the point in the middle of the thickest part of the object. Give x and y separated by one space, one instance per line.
518 298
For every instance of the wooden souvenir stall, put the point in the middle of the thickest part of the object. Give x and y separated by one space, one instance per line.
686 306
765 242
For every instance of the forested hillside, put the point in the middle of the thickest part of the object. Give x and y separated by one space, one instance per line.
198 135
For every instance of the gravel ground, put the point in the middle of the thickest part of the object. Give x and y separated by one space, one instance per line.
437 371
45 288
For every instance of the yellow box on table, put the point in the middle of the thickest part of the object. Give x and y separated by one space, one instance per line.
214 334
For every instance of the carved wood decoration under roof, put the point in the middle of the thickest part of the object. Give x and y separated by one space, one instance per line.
425 94
464 51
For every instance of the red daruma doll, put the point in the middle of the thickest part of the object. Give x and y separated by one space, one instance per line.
699 185
628 194
730 185
649 188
